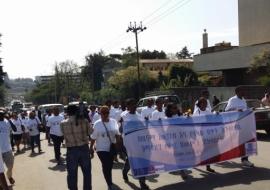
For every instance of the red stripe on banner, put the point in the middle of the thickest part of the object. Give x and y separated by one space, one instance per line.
234 153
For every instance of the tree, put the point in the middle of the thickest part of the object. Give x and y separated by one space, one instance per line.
184 54
187 76
128 57
125 82
146 54
260 66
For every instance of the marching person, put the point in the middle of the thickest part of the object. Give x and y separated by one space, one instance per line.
76 131
238 103
202 105
34 126
131 115
105 134
3 182
266 99
159 113
55 133
147 112
17 135
25 136
6 126
204 94
45 123
172 111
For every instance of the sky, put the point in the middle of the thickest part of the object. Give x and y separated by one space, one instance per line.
37 34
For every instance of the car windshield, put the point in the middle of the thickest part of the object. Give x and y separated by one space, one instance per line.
253 103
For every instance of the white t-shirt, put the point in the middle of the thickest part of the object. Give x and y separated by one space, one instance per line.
209 108
147 112
235 103
100 135
32 125
54 124
47 119
2 169
24 122
18 125
5 130
95 118
115 113
200 112
156 115
131 117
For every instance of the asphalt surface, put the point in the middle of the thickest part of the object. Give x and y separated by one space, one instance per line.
40 172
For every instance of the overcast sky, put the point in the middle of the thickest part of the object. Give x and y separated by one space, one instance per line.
39 33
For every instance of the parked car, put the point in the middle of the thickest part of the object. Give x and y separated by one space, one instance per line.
262 114
143 101
45 107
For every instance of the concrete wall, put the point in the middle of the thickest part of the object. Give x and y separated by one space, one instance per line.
230 59
254 19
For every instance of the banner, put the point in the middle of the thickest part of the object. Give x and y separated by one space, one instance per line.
179 143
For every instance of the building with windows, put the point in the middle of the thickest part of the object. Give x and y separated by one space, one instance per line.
164 64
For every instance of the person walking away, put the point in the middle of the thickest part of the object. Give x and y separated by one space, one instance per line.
17 135
76 131
34 126
202 105
105 134
131 115
47 127
56 133
238 103
6 126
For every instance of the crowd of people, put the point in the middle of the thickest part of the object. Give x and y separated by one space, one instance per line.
86 131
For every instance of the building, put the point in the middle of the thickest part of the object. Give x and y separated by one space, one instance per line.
233 61
164 64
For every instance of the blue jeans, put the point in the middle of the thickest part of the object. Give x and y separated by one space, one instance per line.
78 156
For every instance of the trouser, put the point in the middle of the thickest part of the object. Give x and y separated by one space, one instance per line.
57 140
8 159
12 141
35 140
245 158
107 164
78 156
48 137
26 138
127 168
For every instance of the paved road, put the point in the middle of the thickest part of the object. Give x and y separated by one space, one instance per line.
41 173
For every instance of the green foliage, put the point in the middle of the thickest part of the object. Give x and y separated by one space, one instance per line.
146 54
2 95
128 57
183 54
125 82
261 61
187 76
173 83
264 80
204 80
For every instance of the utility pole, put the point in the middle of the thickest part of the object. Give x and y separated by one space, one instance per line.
134 28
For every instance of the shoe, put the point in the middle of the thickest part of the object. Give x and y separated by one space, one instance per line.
247 163
125 176
208 168
144 186
11 181
184 174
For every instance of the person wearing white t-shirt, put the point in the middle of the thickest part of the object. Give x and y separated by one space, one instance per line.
202 110
147 112
25 136
238 103
131 115
105 133
17 135
204 94
33 125
159 113
3 182
56 133
5 129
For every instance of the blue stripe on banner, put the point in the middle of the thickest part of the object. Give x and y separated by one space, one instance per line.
212 119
